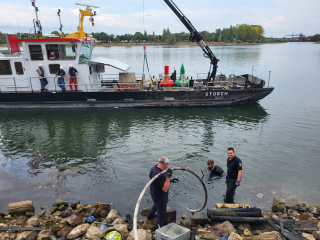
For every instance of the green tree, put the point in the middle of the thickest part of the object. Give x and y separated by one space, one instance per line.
55 33
220 38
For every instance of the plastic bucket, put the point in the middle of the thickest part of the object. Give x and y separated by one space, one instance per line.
115 238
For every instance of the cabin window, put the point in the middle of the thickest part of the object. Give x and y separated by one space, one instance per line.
35 52
85 52
52 51
19 68
68 51
5 67
53 68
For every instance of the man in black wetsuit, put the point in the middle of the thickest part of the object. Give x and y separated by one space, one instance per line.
159 190
214 169
234 174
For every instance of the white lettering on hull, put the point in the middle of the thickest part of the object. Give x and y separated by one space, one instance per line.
216 94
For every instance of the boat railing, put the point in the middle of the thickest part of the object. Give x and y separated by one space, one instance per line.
35 87
120 87
113 76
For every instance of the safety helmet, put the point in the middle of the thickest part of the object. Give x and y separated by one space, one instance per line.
70 65
40 64
61 67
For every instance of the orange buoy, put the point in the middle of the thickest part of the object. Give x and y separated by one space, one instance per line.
124 84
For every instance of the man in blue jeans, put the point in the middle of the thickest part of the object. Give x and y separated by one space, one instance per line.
61 74
159 190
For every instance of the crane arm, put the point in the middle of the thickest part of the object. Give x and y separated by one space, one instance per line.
196 37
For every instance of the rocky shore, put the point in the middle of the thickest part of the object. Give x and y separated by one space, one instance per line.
65 220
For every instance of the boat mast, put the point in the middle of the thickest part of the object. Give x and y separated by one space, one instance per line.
36 22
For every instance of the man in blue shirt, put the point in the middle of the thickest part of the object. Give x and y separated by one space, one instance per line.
159 190
234 174
61 74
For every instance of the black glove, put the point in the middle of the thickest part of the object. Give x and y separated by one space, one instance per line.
237 183
174 180
226 180
169 173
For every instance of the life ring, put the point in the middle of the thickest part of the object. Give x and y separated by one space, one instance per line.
121 89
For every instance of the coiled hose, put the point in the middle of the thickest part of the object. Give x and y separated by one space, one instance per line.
151 181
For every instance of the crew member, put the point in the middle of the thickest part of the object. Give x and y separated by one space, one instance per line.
73 73
61 74
53 56
234 174
214 169
43 81
159 190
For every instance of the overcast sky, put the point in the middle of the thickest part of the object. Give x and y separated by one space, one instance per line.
277 17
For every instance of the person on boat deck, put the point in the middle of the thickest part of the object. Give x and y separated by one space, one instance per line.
159 190
73 73
43 80
214 169
234 174
53 56
61 74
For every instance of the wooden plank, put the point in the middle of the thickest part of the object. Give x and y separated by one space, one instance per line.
281 225
20 208
293 233
304 227
229 205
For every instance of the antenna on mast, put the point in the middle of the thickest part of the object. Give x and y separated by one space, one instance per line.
36 22
61 35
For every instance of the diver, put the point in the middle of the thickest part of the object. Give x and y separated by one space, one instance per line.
213 170
159 190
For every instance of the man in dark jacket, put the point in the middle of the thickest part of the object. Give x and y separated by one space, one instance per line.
234 174
214 169
159 190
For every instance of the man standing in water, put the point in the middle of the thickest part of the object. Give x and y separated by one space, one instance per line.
159 190
234 174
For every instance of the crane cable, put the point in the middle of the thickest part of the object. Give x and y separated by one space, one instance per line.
135 231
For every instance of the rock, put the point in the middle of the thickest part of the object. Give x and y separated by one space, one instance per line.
94 232
30 221
308 236
62 208
305 215
43 233
276 217
278 204
285 216
184 216
292 212
152 223
7 217
198 219
318 225
244 226
62 203
142 235
113 215
119 220
226 227
171 215
66 213
44 207
184 223
64 220
313 220
204 234
2 225
313 210
78 231
234 236
64 232
20 208
8 236
247 232
316 235
145 212
269 235
79 208
104 206
28 235
259 195
122 228
53 209
36 224
100 213
140 222
54 229
256 232
74 220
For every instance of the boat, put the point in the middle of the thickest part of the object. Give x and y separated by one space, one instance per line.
20 83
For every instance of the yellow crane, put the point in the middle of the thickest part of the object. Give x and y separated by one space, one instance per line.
82 14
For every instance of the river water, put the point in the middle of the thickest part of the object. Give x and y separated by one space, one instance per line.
106 154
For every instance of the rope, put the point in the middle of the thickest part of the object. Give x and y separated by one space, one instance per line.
151 181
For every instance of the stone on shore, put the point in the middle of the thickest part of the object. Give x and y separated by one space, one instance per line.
316 235
94 232
247 232
28 235
64 232
20 208
171 215
142 235
43 233
318 225
74 220
122 228
278 204
226 227
305 215
145 212
198 219
235 236
78 231
105 206
8 236
2 225
119 220
269 235
308 236
54 229
62 203
113 215
31 221
314 210
204 234
243 226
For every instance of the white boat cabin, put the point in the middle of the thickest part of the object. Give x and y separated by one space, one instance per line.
18 70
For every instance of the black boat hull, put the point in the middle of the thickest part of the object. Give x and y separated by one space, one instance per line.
203 98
